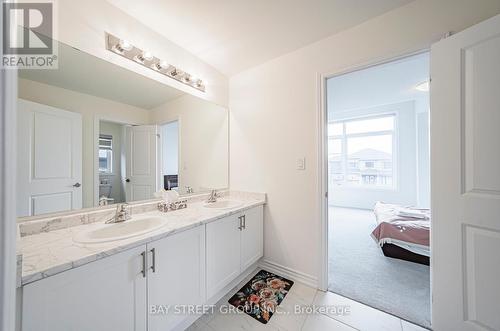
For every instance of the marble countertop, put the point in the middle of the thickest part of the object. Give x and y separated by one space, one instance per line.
49 253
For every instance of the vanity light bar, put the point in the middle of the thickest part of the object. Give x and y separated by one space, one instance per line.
142 57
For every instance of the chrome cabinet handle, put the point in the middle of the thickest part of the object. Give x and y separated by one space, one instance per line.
77 184
153 255
244 221
144 262
240 227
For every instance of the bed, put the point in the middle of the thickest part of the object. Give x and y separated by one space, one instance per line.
403 232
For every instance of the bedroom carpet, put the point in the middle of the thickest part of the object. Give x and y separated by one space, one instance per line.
358 269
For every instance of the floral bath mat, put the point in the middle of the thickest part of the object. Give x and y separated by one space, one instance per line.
261 296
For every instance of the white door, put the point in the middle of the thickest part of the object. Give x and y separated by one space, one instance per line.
141 162
49 159
465 169
223 253
252 237
176 277
109 294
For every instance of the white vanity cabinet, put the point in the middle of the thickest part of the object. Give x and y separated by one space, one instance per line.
176 278
115 294
233 244
108 294
223 253
252 240
150 287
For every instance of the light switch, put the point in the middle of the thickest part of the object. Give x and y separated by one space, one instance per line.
301 163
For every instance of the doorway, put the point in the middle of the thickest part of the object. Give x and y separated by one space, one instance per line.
378 170
169 176
111 156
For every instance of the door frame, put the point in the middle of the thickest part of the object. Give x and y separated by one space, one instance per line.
159 166
8 210
97 119
322 178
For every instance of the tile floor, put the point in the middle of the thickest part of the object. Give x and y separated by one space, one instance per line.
360 317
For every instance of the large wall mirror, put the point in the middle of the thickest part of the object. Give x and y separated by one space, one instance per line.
92 133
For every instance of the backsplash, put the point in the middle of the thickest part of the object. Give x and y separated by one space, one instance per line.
45 223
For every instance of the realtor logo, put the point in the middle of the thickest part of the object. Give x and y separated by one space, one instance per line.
28 32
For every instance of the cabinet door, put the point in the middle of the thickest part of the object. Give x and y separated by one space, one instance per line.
223 253
109 294
176 277
252 237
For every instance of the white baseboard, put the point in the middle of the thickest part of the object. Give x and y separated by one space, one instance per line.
294 275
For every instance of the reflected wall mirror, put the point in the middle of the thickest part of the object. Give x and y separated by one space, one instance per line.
92 133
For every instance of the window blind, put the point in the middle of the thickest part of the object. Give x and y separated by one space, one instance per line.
105 142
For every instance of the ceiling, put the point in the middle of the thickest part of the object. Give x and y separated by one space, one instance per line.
233 35
84 73
384 84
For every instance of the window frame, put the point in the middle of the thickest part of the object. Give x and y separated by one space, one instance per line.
344 157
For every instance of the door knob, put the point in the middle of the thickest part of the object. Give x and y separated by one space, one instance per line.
77 185
127 180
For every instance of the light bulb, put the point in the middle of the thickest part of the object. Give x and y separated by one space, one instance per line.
147 56
125 45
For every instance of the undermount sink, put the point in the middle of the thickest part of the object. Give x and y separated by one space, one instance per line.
119 231
223 204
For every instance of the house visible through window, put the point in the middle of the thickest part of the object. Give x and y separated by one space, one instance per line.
105 153
360 152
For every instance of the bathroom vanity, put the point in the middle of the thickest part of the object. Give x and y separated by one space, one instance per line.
144 282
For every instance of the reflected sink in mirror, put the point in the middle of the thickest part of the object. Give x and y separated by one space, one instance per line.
119 231
223 204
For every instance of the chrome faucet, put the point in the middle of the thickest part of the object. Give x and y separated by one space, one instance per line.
122 214
213 196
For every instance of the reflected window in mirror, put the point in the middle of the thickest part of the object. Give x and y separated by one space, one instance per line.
105 154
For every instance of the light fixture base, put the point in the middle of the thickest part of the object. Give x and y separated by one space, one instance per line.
146 59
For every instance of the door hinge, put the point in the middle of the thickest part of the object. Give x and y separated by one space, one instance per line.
326 194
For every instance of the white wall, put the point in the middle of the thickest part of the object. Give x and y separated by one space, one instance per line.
115 179
274 117
170 148
82 24
405 191
90 107
203 128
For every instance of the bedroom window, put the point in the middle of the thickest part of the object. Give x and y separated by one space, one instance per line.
105 154
361 152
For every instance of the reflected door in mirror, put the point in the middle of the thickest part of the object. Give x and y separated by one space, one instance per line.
49 160
140 151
